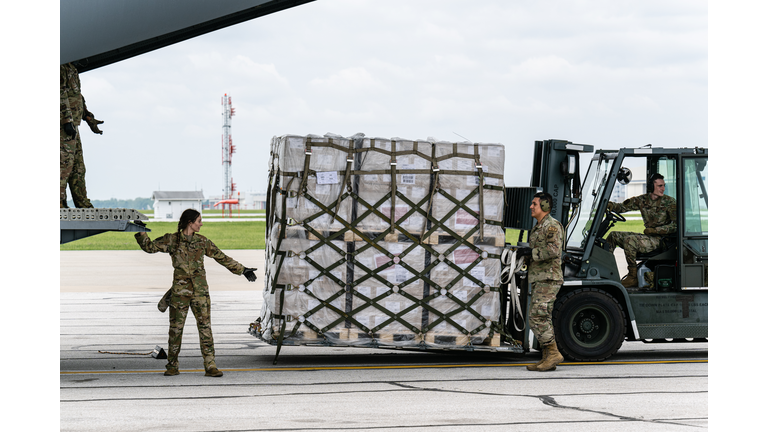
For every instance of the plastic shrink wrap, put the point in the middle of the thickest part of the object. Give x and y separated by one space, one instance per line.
383 242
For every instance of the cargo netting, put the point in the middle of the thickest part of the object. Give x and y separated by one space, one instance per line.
383 242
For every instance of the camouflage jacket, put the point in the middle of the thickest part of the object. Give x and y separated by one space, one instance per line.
660 214
72 102
187 257
546 240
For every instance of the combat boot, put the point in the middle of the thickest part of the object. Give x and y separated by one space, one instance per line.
213 372
171 372
552 359
534 366
630 280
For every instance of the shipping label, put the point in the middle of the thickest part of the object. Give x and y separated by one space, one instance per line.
327 177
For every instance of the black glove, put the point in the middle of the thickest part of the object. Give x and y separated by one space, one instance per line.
69 128
93 123
524 251
140 223
248 273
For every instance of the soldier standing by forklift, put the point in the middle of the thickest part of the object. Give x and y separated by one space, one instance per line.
545 273
659 213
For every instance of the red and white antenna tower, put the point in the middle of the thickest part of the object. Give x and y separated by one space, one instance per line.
227 148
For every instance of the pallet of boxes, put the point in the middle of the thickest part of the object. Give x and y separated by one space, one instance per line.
383 242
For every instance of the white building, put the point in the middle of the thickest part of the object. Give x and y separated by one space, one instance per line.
248 200
634 188
257 201
169 205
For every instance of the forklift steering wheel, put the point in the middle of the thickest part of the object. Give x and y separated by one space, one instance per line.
615 216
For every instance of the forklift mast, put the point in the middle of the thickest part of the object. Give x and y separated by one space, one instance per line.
556 170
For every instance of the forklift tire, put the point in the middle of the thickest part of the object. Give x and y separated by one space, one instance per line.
589 325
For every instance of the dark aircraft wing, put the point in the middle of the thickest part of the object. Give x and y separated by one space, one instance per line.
95 33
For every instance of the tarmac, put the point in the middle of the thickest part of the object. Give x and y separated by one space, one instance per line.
108 381
128 271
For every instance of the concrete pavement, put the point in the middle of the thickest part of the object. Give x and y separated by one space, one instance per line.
109 323
658 387
129 271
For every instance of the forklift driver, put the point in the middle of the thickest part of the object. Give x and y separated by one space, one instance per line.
659 213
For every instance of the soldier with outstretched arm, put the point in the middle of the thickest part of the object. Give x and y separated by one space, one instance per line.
190 287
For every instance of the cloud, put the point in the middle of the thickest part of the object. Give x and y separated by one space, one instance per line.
244 67
497 71
348 80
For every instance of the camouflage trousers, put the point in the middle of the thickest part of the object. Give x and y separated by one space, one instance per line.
201 308
72 171
542 302
632 243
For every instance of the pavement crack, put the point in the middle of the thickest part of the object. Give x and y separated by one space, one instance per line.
550 401
410 387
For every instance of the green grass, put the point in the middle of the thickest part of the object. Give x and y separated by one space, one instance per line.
630 225
234 211
214 211
226 235
237 235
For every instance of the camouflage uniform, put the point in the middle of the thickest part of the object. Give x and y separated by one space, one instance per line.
71 164
545 273
660 214
190 288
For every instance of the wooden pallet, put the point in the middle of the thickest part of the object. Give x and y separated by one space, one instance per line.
327 234
437 238
395 237
303 335
452 340
354 335
383 338
493 341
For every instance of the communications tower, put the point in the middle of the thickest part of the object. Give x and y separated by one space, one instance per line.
227 148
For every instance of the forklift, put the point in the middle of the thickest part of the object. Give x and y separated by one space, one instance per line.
594 313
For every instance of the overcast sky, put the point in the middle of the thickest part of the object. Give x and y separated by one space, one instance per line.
607 73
